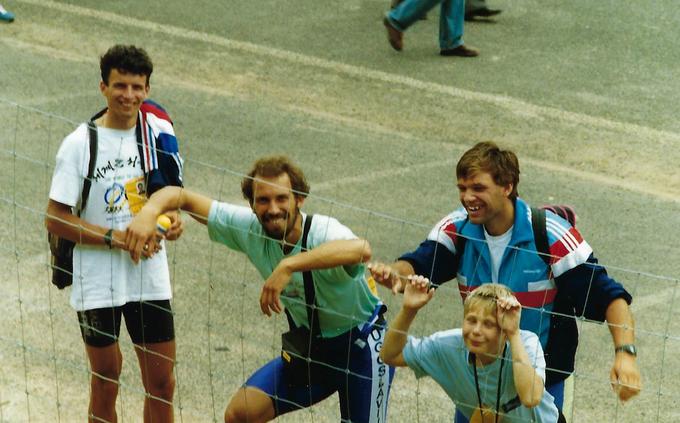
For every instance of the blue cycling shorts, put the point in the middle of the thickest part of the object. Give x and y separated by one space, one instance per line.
363 390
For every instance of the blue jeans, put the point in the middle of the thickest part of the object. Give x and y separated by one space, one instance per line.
451 19
556 390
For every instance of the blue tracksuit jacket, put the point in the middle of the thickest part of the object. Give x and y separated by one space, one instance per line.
573 285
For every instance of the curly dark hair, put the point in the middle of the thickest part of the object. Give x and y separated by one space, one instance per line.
273 166
126 59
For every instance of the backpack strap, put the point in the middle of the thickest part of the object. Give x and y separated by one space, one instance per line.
310 292
540 234
87 183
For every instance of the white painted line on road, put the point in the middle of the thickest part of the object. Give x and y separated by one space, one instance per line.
516 106
326 116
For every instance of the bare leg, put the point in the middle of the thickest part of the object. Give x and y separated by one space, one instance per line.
157 361
249 405
105 364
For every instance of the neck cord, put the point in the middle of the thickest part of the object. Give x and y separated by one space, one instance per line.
498 388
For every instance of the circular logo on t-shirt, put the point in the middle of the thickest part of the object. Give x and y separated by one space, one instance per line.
114 196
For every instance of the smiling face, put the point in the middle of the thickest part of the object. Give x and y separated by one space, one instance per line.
124 94
277 208
486 202
481 332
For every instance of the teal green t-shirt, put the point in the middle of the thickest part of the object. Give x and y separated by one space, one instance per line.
342 293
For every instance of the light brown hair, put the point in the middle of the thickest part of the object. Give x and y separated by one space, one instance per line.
273 166
486 156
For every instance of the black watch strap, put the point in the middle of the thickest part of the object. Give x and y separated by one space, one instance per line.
108 238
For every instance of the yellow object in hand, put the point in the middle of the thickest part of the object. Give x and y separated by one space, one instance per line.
163 223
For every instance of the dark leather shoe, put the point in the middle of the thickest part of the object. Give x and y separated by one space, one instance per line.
482 12
461 51
394 36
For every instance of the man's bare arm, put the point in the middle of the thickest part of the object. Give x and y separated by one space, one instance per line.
325 256
61 222
142 229
625 374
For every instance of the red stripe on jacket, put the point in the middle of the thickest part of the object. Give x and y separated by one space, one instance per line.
450 230
534 299
156 110
562 247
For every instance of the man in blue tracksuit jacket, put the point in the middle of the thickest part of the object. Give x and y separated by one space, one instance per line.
500 247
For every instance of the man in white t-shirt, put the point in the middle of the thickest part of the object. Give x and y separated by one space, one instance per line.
107 284
346 327
491 370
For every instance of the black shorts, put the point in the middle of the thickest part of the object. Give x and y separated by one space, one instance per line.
147 322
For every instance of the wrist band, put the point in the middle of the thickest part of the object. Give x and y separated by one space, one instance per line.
108 238
627 348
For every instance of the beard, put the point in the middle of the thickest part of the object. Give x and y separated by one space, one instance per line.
278 233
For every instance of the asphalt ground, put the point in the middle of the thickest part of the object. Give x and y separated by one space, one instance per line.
582 91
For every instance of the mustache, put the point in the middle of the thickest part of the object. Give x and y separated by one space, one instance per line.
267 217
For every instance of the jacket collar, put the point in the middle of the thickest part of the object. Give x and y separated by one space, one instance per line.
521 231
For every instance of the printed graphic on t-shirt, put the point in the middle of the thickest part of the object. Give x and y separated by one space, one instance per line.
124 188
124 201
114 197
112 165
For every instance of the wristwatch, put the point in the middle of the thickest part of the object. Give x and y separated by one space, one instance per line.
628 348
108 238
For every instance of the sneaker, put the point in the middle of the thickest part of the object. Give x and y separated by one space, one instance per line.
6 16
461 51
394 36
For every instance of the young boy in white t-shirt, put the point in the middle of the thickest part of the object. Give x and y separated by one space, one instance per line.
492 370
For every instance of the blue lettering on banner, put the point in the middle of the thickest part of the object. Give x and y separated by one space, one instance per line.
376 335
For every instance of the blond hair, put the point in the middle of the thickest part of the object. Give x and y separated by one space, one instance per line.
485 296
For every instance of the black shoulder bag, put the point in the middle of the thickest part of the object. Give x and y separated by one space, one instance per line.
61 249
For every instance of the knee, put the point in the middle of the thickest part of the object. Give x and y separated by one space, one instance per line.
105 385
249 406
163 388
240 413
235 414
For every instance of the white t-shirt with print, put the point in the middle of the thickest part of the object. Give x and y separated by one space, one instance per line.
104 277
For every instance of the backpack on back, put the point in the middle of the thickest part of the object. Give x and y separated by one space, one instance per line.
61 249
538 219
